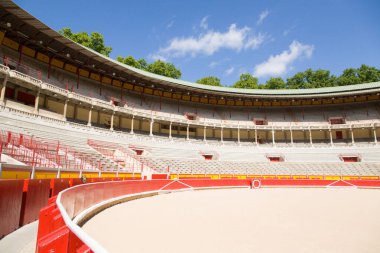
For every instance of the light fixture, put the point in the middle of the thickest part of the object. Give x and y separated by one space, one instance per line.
68 55
113 73
9 24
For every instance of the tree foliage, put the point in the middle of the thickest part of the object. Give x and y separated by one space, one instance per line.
158 67
94 41
210 80
275 83
311 79
165 69
247 81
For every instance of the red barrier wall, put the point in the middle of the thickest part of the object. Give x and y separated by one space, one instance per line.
59 184
10 205
35 197
52 231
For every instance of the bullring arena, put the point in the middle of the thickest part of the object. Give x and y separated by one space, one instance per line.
127 159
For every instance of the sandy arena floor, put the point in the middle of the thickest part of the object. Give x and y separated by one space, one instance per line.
241 220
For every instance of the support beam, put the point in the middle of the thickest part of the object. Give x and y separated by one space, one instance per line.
310 137
36 102
3 88
112 117
132 119
89 116
238 134
273 141
291 136
151 128
64 109
204 133
352 135
256 136
170 130
187 132
331 138
374 135
221 134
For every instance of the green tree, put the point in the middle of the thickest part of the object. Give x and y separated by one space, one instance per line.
210 80
247 81
275 83
95 41
311 79
368 74
130 61
165 69
348 77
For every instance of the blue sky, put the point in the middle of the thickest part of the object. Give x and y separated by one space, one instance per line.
227 38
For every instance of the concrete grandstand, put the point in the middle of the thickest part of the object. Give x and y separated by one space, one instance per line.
67 112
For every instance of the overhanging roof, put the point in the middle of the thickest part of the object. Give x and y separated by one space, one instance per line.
62 43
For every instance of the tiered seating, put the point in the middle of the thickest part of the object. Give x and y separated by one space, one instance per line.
181 157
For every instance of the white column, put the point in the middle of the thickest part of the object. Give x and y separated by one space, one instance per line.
352 135
256 136
112 116
238 137
3 88
310 137
36 102
204 133
331 138
291 136
374 135
273 140
64 109
151 127
89 116
221 134
133 117
187 132
170 130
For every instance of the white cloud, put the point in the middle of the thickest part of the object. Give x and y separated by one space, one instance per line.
229 71
255 41
203 24
213 64
287 31
263 15
170 24
208 43
279 64
156 57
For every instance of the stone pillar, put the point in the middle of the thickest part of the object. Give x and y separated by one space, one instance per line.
132 119
331 138
273 141
151 127
221 134
187 132
64 108
204 133
89 116
374 135
112 116
238 134
36 102
3 88
170 130
256 136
